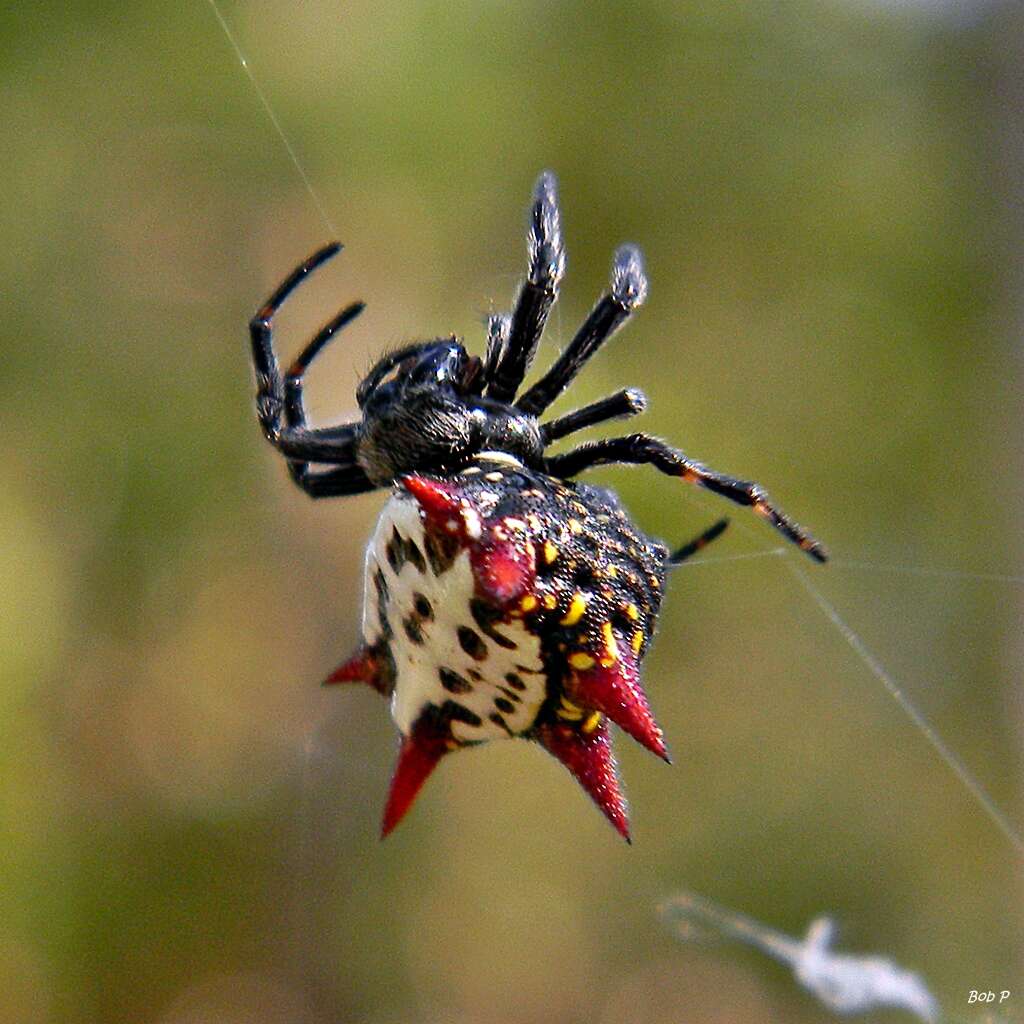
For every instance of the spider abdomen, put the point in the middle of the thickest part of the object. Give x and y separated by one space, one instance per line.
503 603
488 684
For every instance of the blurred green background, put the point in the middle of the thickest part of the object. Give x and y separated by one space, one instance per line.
829 197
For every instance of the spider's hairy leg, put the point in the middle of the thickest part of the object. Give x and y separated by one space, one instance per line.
538 294
628 402
688 550
277 396
641 449
384 366
347 477
499 328
333 483
269 384
294 410
334 445
628 291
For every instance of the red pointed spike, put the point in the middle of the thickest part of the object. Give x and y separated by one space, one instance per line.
417 758
615 691
588 755
363 667
504 568
442 508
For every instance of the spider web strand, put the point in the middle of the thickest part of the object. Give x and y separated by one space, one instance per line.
744 557
875 667
272 117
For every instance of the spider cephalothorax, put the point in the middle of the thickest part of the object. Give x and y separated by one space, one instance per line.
423 406
502 599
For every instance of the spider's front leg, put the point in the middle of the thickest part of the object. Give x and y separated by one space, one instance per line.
269 383
627 293
280 397
348 477
538 294
642 449
628 402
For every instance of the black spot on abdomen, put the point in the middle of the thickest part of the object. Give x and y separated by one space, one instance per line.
453 682
441 551
381 586
414 555
500 722
455 712
485 617
395 551
413 629
470 642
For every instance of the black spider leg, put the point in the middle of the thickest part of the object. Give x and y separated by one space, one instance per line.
384 366
538 294
628 402
269 385
641 449
628 291
499 328
691 548
347 478
293 439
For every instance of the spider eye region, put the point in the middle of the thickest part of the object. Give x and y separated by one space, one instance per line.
422 411
410 370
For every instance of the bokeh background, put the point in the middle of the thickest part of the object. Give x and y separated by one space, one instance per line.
830 199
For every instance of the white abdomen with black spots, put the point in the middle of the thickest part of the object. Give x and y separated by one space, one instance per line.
502 687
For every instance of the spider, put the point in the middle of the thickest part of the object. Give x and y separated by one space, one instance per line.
502 598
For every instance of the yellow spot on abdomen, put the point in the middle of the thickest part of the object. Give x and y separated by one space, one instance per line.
550 552
581 660
591 722
638 641
609 641
568 711
528 603
633 612
576 609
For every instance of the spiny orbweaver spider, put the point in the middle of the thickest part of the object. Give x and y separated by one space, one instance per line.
502 598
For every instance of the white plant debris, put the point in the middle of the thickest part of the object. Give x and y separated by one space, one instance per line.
844 983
